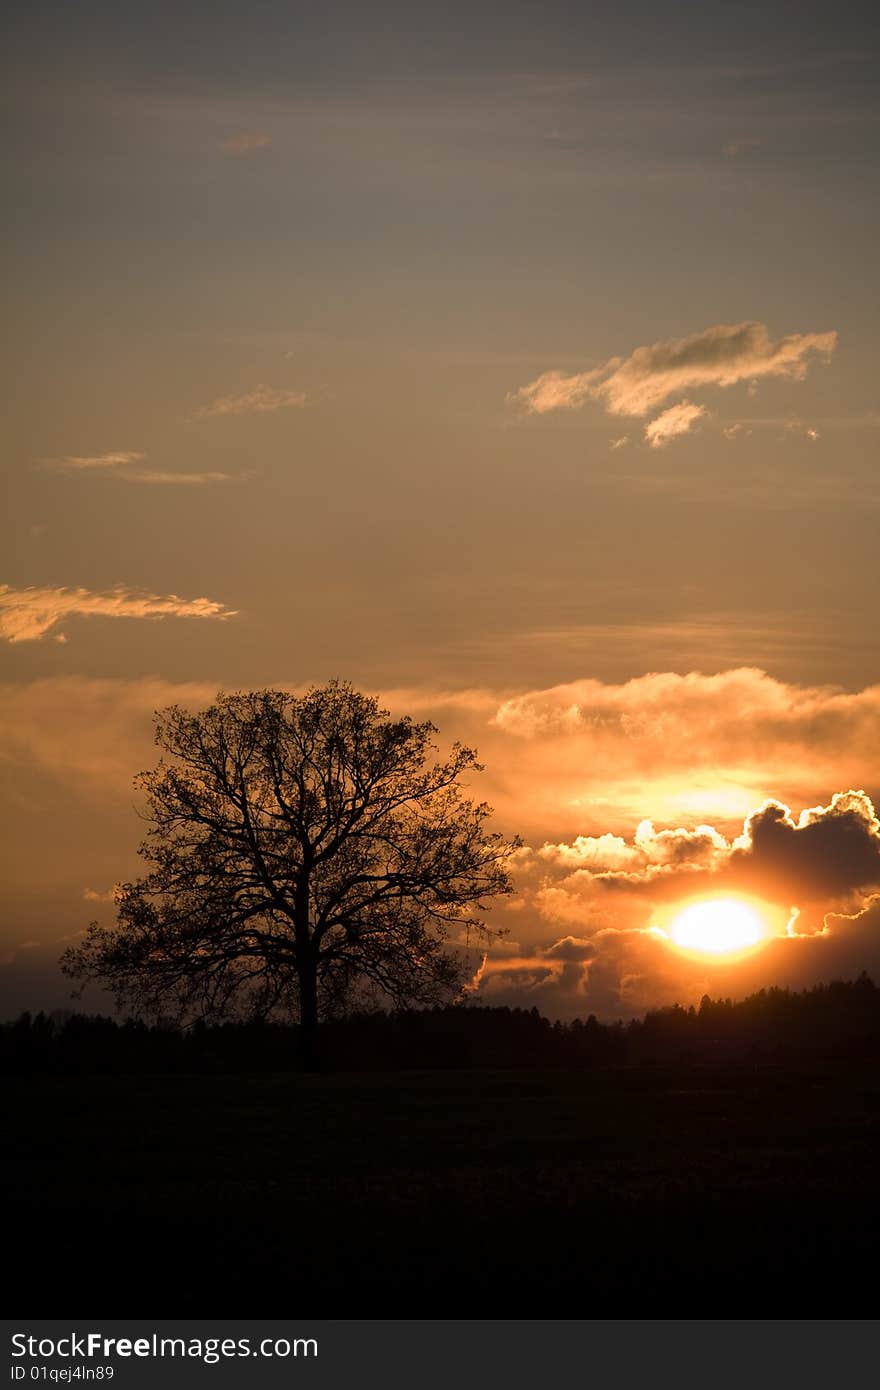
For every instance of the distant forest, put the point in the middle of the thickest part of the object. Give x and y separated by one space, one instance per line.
833 1021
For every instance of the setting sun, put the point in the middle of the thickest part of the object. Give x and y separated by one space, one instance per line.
719 926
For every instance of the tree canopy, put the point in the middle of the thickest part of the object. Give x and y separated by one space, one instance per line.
303 851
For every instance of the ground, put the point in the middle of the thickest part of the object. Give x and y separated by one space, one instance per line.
655 1193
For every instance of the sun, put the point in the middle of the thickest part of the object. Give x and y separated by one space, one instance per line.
717 927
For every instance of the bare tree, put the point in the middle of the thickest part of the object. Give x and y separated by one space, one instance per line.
302 849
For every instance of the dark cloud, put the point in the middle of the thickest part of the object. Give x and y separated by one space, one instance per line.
815 873
830 852
828 855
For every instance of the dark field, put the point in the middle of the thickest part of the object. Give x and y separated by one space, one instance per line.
659 1194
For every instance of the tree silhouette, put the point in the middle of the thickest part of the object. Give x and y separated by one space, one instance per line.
302 850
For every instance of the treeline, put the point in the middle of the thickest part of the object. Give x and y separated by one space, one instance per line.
838 1020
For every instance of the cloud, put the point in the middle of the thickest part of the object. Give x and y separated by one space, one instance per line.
825 860
593 756
119 465
721 356
593 852
555 972
151 478
634 796
258 401
90 735
570 949
829 852
634 969
677 420
244 143
651 852
556 391
78 462
620 443
26 615
663 707
112 895
617 896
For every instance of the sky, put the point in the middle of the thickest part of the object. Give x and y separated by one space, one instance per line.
516 363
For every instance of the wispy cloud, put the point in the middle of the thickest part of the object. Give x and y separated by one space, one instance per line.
620 443
790 426
678 419
258 401
244 143
26 615
122 465
719 356
74 463
157 477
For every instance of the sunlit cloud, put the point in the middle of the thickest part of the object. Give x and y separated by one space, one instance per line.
790 426
721 356
26 615
634 799
675 421
807 884
124 467
556 390
707 747
261 400
588 758
244 143
825 855
72 463
651 851
157 478
620 443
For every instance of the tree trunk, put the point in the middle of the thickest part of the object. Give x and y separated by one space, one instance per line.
307 970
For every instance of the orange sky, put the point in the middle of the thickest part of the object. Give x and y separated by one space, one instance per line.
522 373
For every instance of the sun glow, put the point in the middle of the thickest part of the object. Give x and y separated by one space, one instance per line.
717 927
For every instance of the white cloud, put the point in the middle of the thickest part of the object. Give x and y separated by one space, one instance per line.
678 419
719 356
258 401
26 615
